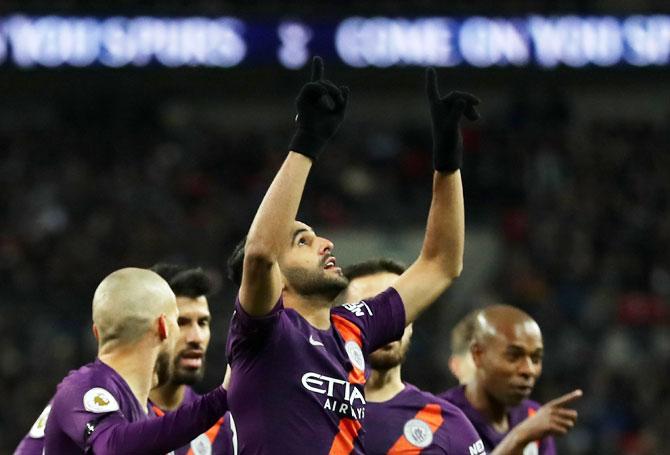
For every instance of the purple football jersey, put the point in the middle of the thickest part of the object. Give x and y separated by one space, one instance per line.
489 435
299 390
418 422
33 442
218 440
84 400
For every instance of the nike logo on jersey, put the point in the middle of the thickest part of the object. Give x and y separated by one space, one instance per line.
314 342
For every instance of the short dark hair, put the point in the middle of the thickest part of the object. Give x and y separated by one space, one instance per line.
372 267
236 263
463 333
184 281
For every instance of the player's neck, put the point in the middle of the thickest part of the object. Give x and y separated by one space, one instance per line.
168 397
316 310
494 411
384 385
131 364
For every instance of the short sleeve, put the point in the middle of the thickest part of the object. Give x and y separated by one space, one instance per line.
80 411
381 318
249 332
462 436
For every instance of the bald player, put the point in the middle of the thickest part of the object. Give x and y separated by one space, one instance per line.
191 287
400 418
507 351
298 364
460 360
102 407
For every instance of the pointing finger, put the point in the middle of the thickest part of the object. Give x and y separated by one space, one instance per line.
317 68
432 91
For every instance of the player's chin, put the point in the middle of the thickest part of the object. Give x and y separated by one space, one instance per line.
518 394
188 376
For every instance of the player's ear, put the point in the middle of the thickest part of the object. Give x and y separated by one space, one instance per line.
162 327
94 329
477 353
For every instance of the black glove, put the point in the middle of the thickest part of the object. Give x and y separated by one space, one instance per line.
445 114
321 105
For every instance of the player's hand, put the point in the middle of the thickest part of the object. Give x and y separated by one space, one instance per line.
321 105
446 113
551 419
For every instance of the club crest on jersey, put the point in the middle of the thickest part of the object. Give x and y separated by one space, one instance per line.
418 433
201 445
99 400
531 449
37 430
355 354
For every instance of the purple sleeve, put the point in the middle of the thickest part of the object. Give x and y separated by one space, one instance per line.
381 318
162 434
463 438
30 446
548 446
249 330
33 442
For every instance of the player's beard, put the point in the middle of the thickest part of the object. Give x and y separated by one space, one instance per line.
315 282
163 368
385 359
187 376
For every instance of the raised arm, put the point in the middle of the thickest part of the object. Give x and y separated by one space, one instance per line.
162 434
321 107
441 257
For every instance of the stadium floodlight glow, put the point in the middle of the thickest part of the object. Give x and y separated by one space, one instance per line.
487 42
53 41
648 40
294 36
382 42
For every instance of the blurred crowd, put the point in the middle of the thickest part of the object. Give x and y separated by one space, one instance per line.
581 209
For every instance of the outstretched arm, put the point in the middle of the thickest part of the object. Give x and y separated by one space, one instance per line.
550 420
441 257
162 434
321 107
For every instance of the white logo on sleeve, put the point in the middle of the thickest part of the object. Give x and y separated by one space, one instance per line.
201 445
37 430
531 449
355 354
314 342
357 308
418 433
99 400
477 448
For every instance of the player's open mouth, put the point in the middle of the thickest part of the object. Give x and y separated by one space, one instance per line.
191 359
331 264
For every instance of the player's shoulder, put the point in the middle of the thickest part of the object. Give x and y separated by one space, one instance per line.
94 384
455 395
428 398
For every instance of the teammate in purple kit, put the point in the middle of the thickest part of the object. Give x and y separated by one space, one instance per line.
507 351
298 365
102 407
191 287
401 419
